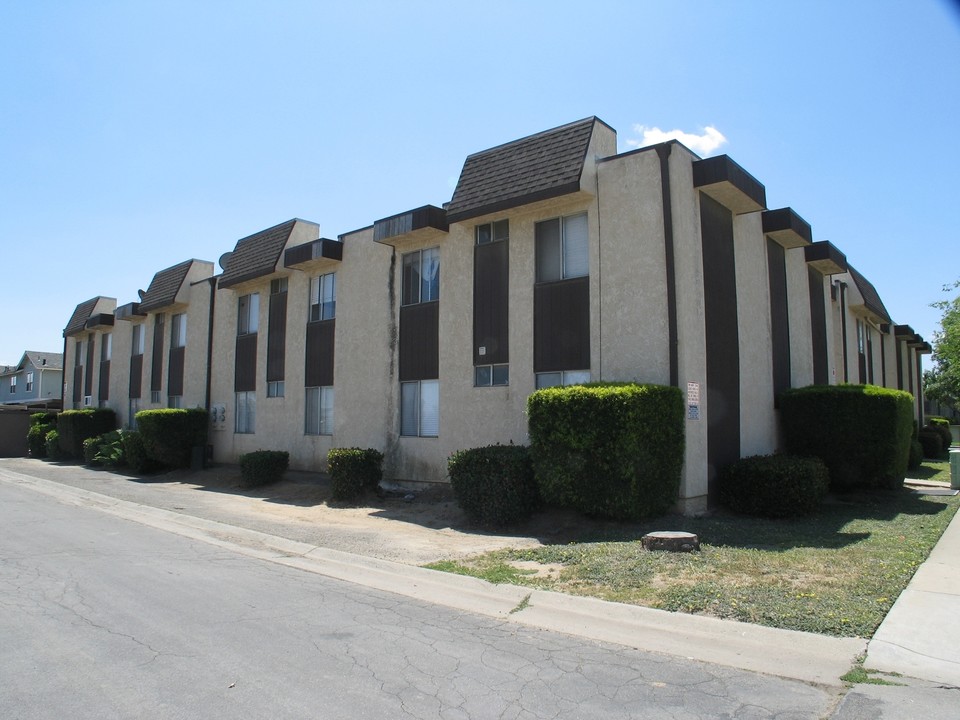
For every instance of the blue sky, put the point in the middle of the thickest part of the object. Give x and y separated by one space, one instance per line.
135 135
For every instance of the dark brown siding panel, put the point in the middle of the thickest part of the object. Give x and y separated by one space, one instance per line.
318 371
88 368
722 338
779 318
156 372
77 383
245 366
818 328
136 375
561 325
277 337
419 341
175 376
104 391
490 303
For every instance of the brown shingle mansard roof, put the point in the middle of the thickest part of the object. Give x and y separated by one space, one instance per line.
80 316
541 166
256 255
871 298
165 286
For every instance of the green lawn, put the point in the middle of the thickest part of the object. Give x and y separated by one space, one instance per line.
837 572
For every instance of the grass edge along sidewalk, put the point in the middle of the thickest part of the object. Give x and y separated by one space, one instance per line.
837 572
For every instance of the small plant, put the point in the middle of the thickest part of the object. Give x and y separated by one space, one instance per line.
52 441
916 455
354 471
263 467
775 486
494 485
37 437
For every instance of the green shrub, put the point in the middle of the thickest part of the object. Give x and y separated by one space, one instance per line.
775 486
943 430
931 442
53 445
106 449
353 471
75 426
37 438
170 434
43 418
135 452
916 454
90 448
494 485
861 432
608 449
263 467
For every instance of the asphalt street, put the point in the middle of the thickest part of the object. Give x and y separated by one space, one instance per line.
103 617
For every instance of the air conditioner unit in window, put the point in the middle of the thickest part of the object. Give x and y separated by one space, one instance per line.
87 400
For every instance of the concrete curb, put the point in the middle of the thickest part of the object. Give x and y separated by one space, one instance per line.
801 656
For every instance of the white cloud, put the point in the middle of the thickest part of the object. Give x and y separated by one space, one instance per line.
703 144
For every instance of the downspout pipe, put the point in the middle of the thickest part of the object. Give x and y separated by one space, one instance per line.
213 299
663 151
843 329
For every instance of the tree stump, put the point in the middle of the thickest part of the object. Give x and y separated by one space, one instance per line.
670 540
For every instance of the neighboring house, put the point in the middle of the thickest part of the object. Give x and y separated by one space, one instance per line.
36 381
557 261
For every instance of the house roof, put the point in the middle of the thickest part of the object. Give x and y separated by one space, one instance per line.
541 166
871 298
165 286
80 316
54 361
256 255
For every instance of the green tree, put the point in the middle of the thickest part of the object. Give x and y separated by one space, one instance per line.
942 382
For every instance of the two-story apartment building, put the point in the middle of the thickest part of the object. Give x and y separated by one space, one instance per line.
557 261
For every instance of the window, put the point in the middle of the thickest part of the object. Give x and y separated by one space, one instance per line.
137 342
319 415
248 310
246 418
134 409
493 232
562 248
81 356
275 388
491 375
175 401
420 408
178 330
421 276
860 333
323 297
106 347
29 387
155 397
566 377
278 285
13 383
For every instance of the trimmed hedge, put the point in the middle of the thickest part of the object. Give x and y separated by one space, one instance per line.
931 442
263 467
943 430
75 426
170 434
608 449
353 471
916 455
494 485
136 453
37 438
774 486
861 432
53 445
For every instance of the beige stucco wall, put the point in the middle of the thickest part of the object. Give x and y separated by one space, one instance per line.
758 428
798 312
104 305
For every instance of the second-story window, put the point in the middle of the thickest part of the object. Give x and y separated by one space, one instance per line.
178 330
562 248
137 342
323 297
248 308
106 347
421 276
29 387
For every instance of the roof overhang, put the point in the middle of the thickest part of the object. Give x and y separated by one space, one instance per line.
786 228
729 184
825 258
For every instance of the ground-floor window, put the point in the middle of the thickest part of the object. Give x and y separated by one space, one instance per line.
420 408
246 415
175 401
155 397
563 377
319 414
275 388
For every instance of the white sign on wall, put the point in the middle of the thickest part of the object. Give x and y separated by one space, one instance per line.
693 401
